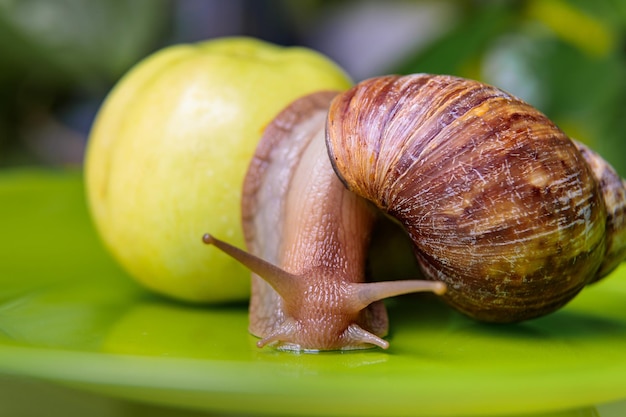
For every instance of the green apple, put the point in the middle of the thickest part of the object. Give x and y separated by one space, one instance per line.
168 153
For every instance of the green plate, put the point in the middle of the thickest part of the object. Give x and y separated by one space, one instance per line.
68 314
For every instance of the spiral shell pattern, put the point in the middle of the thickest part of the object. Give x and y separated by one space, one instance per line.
499 203
613 189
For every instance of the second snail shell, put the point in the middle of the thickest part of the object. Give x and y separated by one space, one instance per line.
500 204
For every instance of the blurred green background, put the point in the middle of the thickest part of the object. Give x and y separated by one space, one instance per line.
60 58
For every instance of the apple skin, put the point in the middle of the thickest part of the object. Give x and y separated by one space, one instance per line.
169 149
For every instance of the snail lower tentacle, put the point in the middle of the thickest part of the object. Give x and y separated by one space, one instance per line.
500 204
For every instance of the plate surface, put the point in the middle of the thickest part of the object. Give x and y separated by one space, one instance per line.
69 314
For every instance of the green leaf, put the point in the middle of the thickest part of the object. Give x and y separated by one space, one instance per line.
68 314
76 42
456 51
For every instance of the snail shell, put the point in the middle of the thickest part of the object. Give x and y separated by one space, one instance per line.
500 204
613 189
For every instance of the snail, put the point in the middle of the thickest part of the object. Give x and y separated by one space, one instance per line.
509 218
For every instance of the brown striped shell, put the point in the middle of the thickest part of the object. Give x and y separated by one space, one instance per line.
613 189
499 203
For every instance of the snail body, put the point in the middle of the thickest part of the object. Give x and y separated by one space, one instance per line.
503 209
308 236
